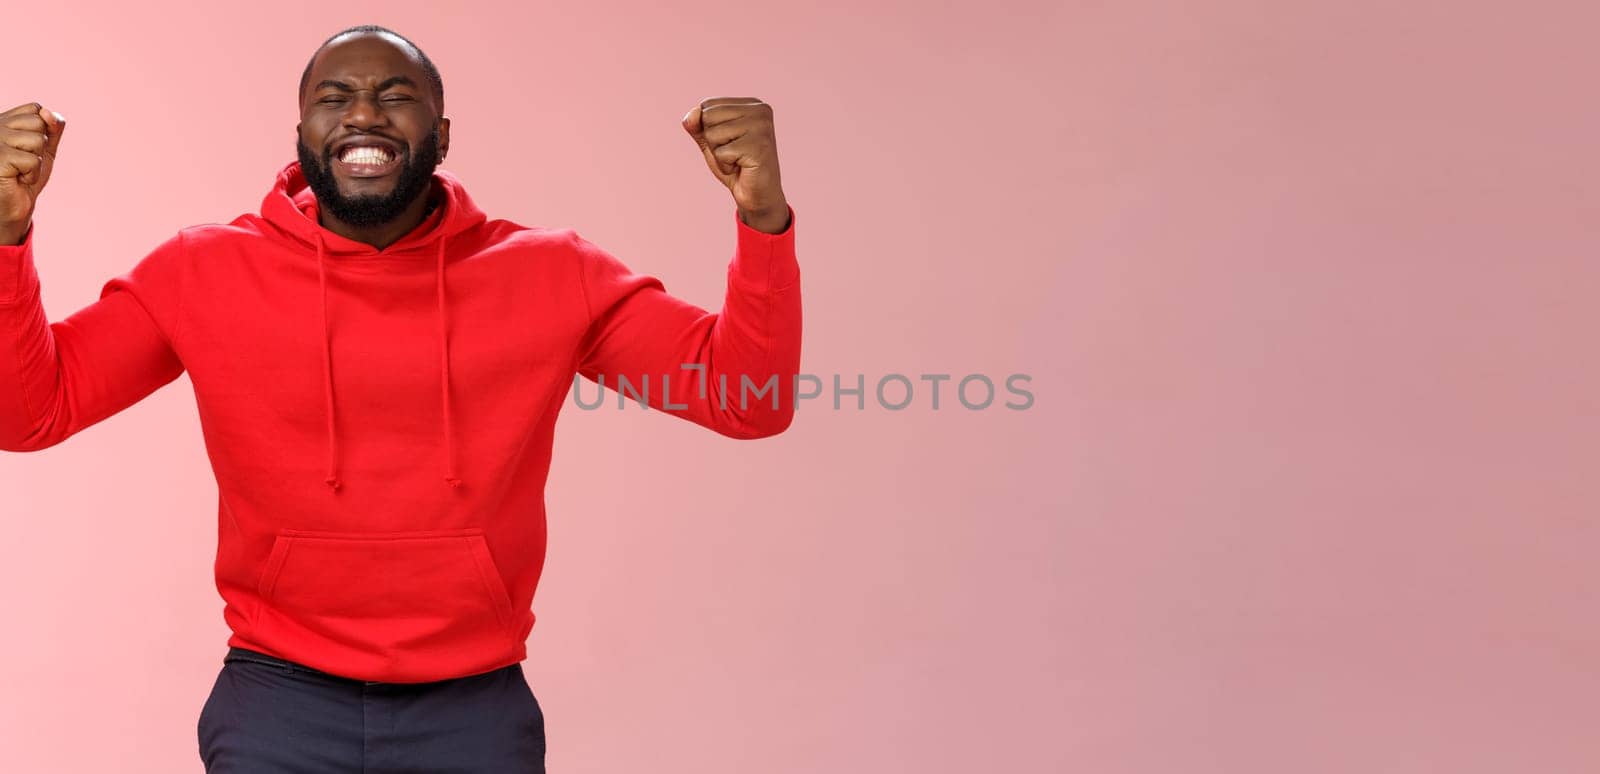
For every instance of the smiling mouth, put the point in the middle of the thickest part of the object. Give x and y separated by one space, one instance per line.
367 161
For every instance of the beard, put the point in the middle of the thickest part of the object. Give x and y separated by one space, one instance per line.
416 174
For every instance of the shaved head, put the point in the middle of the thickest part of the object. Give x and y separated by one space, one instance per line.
435 82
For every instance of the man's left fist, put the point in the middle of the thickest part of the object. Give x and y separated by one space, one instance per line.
735 134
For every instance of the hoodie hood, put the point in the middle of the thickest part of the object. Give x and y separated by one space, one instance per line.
293 209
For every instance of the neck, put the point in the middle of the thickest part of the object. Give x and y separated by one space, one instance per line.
381 235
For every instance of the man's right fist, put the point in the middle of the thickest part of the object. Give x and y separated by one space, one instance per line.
29 136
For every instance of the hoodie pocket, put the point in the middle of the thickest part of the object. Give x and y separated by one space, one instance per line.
371 593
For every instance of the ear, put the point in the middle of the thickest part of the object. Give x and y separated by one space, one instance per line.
444 137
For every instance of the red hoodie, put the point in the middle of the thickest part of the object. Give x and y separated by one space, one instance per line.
380 421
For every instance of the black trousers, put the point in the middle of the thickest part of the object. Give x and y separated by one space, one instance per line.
266 715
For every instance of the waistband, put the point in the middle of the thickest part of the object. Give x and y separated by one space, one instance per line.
236 653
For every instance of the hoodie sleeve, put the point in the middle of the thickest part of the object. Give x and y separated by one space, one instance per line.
59 378
734 371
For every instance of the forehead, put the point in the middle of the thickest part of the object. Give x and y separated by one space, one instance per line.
365 56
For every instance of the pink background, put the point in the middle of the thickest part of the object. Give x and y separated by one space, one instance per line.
1307 291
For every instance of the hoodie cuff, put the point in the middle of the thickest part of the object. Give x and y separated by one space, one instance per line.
18 277
765 261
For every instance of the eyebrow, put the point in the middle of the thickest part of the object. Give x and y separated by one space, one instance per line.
398 80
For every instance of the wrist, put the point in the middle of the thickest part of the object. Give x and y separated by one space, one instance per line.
773 220
12 236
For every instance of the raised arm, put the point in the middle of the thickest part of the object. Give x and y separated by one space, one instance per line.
59 378
732 371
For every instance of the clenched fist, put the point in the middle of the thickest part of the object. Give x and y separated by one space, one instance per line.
736 136
29 136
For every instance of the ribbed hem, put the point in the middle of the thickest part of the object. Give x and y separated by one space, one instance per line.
763 261
18 276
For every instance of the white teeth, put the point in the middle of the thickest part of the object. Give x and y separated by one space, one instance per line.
365 154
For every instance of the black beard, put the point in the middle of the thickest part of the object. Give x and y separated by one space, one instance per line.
416 173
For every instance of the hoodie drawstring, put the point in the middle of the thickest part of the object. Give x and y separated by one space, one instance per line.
444 373
327 370
444 380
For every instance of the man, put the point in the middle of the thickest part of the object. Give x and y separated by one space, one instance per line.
378 369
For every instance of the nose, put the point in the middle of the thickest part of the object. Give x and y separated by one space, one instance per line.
364 111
